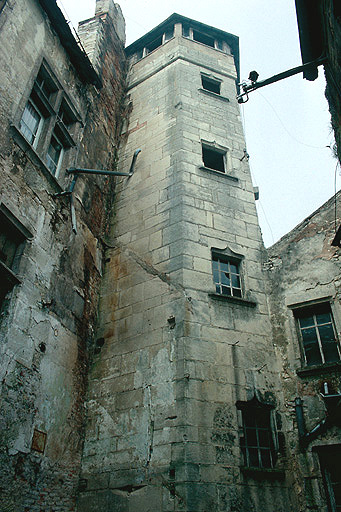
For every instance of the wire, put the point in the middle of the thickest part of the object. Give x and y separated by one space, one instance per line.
285 128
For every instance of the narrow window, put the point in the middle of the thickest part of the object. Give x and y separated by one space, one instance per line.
330 466
203 38
186 31
209 84
169 33
31 123
318 334
257 441
213 158
226 276
12 240
54 155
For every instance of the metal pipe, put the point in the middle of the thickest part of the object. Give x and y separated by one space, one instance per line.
75 170
300 417
132 166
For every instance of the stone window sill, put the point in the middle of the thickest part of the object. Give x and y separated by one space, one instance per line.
214 95
319 369
34 157
218 173
236 300
263 473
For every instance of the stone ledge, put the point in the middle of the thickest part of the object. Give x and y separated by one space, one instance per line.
214 95
236 300
319 369
34 157
263 473
218 173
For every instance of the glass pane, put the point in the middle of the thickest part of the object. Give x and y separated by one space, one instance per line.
225 278
310 345
216 276
235 280
215 264
29 122
236 292
263 418
264 438
225 290
251 437
307 321
53 154
217 289
224 267
253 457
266 458
234 268
329 345
323 318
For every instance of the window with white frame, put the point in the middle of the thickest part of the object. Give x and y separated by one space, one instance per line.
318 334
226 275
48 120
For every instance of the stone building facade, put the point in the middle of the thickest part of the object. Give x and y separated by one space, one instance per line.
155 355
56 111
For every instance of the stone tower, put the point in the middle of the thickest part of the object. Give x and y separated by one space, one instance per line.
184 391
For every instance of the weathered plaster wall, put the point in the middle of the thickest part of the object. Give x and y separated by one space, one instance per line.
304 267
163 430
42 386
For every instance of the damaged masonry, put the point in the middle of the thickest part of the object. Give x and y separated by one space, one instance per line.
154 355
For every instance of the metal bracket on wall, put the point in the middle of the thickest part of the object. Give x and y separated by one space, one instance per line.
253 77
76 171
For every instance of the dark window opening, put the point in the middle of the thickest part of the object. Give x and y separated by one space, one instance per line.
209 84
11 246
213 158
169 33
220 44
226 276
154 44
330 462
203 38
257 442
318 335
185 31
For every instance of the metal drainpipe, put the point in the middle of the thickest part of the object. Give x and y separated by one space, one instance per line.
300 418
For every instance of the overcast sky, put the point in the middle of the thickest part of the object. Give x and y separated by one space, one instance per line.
287 124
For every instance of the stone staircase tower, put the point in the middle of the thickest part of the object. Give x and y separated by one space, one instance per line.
184 345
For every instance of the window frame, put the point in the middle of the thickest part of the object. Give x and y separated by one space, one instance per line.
53 106
210 80
18 236
218 151
315 309
219 285
246 409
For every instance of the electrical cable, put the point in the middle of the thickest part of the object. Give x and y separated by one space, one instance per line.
285 128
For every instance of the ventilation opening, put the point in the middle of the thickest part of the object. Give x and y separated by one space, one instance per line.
202 38
210 85
213 159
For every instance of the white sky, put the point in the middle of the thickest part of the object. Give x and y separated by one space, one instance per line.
287 124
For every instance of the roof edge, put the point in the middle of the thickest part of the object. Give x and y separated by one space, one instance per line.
77 55
231 39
